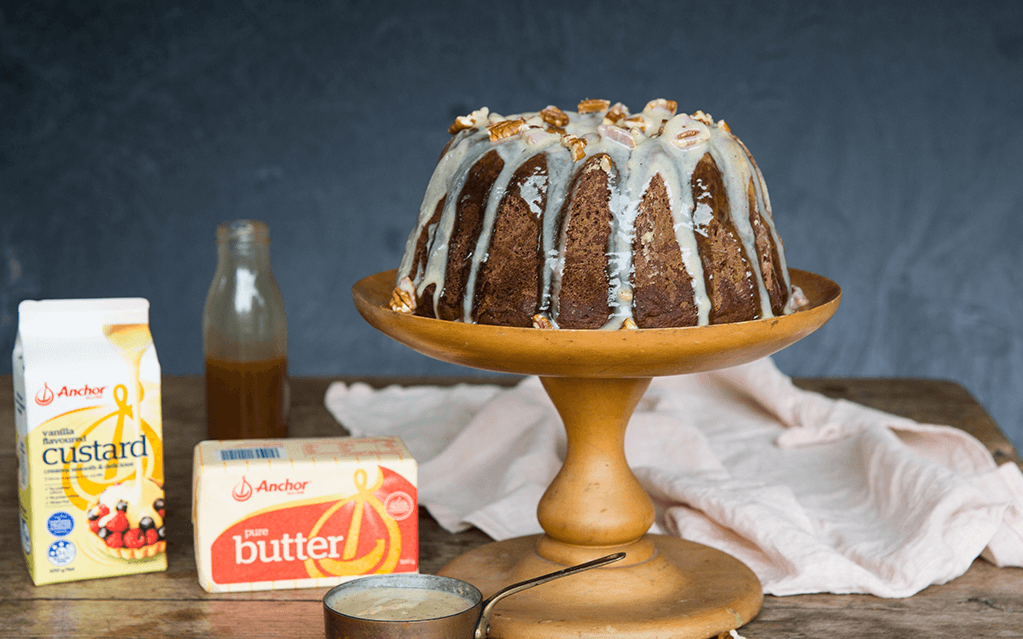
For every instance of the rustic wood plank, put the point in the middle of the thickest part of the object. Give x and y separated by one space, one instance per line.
211 617
986 601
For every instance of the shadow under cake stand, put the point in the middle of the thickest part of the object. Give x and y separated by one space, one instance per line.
665 586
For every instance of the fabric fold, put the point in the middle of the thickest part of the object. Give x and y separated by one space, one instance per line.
813 494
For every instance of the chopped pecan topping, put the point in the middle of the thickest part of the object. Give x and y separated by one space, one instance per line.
618 134
469 121
461 123
537 135
635 122
660 103
593 106
505 129
542 321
403 297
554 116
798 299
576 145
617 113
706 118
687 137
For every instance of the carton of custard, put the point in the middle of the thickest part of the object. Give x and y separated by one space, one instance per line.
274 514
89 439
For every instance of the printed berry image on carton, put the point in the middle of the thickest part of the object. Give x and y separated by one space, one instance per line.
89 439
302 513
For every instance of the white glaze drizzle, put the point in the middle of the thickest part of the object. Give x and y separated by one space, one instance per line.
658 149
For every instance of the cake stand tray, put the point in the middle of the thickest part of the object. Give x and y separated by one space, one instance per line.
665 587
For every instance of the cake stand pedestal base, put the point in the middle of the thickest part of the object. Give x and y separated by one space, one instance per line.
595 506
681 590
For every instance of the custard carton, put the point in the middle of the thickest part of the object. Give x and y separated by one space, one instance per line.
274 514
89 439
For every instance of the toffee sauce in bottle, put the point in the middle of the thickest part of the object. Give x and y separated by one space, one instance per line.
245 339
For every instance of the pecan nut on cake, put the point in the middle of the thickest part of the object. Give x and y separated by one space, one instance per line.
595 219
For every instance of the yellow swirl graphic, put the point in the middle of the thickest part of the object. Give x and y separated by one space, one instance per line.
350 565
80 486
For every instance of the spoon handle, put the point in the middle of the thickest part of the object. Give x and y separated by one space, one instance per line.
488 605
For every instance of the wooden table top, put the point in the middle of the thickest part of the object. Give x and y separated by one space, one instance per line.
985 602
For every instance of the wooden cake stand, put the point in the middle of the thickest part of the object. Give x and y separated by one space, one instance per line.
665 586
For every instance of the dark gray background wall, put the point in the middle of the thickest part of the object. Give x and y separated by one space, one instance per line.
890 135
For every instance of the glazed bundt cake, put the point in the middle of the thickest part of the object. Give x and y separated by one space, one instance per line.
595 219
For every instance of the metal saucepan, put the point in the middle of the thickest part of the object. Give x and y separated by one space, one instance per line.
424 606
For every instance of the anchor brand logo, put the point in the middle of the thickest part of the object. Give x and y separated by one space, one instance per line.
286 486
243 490
45 395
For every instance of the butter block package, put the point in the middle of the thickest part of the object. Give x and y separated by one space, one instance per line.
275 514
89 439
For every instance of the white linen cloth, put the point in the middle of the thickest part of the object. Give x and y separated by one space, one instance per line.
813 494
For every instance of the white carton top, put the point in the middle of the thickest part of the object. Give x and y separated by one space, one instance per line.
81 316
63 355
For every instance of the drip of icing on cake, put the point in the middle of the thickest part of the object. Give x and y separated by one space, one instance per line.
633 151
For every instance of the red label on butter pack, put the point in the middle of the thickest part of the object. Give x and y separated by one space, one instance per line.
273 514
340 536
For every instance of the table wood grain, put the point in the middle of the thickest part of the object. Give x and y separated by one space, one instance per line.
985 602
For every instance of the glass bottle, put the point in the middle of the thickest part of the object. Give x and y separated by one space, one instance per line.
245 339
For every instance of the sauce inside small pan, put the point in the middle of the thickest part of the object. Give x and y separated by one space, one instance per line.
398 604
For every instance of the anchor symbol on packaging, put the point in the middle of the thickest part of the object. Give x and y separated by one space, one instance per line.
45 395
242 490
109 452
384 555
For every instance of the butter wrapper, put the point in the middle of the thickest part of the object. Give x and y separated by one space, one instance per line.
275 514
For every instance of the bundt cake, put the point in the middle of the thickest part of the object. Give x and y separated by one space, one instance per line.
594 219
